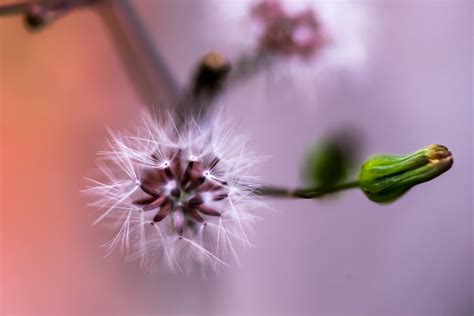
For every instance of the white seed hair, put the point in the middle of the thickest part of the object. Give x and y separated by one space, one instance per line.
209 244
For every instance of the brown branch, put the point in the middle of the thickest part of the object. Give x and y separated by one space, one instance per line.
141 58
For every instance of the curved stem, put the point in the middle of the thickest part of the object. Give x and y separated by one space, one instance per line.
14 8
305 193
23 7
144 63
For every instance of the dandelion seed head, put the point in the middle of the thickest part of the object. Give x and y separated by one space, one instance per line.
177 198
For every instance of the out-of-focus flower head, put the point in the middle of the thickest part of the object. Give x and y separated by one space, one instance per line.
288 33
177 198
343 25
319 45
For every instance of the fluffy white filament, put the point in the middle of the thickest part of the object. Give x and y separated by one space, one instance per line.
178 241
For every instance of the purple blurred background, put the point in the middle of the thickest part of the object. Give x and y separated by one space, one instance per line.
411 87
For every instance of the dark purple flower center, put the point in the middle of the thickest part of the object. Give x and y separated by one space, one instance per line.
182 188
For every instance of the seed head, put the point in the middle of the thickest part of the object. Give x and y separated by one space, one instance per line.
177 198
298 34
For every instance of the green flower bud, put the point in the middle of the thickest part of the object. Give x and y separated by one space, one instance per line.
384 178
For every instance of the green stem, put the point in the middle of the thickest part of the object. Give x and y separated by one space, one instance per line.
305 193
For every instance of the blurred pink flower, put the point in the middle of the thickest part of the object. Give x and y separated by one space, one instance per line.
288 33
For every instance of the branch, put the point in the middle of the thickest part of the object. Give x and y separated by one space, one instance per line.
147 69
305 193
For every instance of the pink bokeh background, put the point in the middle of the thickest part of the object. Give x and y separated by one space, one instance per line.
62 87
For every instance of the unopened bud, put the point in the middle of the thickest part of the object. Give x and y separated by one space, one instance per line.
37 16
384 178
211 73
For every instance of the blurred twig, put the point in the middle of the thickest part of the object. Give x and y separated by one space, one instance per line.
214 75
305 193
38 14
14 8
147 70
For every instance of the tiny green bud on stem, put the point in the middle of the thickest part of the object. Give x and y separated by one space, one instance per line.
384 178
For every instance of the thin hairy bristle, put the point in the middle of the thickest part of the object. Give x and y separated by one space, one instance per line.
176 197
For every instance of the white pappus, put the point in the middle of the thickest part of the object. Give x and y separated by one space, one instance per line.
177 197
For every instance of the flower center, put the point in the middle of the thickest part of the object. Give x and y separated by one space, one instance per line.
183 190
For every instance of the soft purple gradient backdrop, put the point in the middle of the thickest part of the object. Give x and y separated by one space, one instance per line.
346 256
